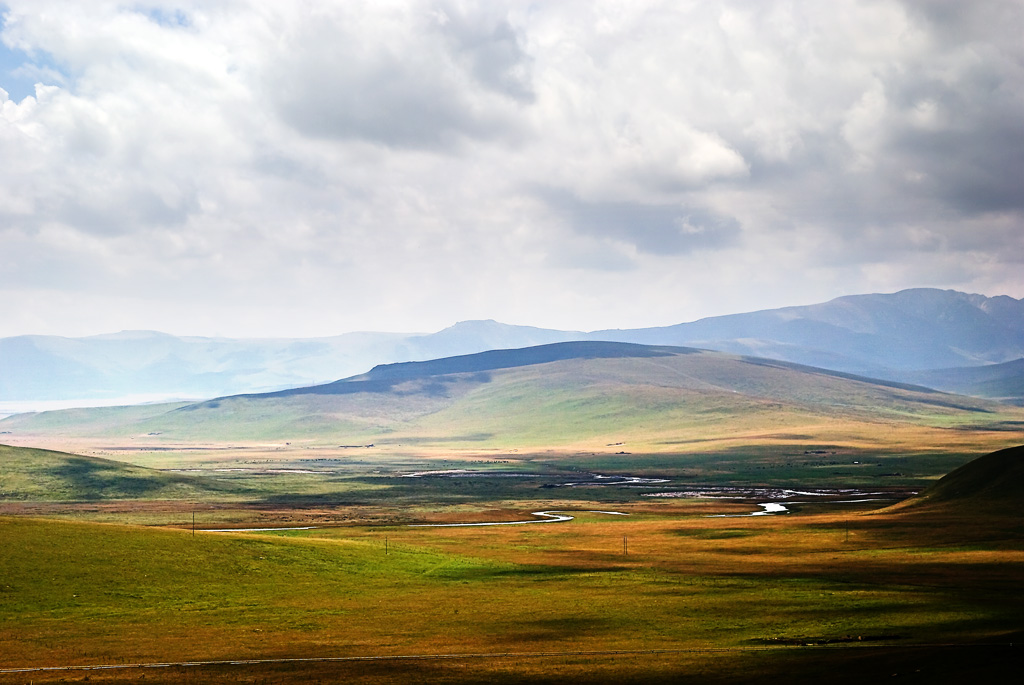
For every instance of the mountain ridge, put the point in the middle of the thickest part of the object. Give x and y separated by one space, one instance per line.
887 336
563 394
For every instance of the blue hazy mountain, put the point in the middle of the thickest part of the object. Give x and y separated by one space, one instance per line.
996 381
873 335
898 336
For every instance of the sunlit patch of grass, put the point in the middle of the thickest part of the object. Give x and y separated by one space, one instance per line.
666 578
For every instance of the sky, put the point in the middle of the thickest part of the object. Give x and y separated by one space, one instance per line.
254 168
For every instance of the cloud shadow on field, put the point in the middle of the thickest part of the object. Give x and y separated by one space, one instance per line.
92 481
549 630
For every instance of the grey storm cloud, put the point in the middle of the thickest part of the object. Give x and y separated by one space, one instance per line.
972 157
492 49
420 78
959 136
934 131
652 228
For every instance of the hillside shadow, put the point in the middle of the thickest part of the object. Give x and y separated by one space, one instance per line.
90 480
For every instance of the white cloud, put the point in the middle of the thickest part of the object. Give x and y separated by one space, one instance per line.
310 167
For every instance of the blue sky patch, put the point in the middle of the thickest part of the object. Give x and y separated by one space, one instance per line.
21 71
170 18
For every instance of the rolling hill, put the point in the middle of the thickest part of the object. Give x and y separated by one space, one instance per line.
44 475
559 395
992 483
890 336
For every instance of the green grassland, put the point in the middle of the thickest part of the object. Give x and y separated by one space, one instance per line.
813 589
652 402
34 474
98 420
682 414
342 491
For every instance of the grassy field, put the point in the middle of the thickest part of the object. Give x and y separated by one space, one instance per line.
267 485
669 593
99 565
46 475
816 589
296 485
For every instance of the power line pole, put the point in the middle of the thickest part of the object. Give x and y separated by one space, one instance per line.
625 549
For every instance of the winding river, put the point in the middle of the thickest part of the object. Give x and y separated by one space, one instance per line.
553 516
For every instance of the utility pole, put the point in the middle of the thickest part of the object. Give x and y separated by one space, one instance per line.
625 549
193 523
385 545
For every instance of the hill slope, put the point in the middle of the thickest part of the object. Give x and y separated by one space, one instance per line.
1003 382
553 395
992 483
33 474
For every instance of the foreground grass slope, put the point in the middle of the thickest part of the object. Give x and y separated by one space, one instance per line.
564 395
851 594
74 593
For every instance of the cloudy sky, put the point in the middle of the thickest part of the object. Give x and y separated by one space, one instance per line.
310 167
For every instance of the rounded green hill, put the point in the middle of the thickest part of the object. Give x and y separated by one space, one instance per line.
994 482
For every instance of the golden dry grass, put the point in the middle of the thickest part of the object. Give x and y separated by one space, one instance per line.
688 582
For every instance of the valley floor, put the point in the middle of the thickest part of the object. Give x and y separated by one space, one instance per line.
666 594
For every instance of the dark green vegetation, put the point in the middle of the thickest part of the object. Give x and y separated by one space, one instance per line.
992 483
44 482
524 422
834 589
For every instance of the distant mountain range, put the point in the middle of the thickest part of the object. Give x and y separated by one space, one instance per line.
571 395
941 338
